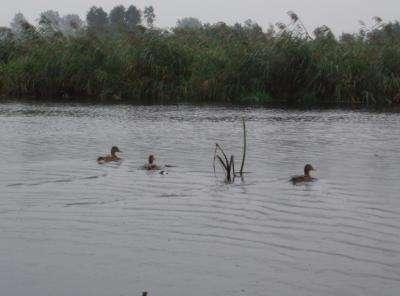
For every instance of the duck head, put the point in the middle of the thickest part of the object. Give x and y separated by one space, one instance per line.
114 150
151 159
307 169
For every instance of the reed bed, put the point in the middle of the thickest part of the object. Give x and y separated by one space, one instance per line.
211 63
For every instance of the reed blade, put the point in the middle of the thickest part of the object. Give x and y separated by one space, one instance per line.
244 146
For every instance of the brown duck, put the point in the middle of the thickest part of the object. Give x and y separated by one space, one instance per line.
306 177
110 157
151 165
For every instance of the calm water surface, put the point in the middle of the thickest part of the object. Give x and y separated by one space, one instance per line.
69 226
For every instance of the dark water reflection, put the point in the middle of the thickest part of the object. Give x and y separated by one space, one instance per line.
71 227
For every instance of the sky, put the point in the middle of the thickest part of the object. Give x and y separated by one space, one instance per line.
339 15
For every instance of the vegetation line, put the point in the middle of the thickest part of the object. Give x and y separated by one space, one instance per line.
121 55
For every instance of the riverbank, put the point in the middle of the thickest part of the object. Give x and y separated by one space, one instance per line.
238 64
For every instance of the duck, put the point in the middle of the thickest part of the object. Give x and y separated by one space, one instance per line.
151 166
110 157
306 177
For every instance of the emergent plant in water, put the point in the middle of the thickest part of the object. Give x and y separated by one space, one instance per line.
228 165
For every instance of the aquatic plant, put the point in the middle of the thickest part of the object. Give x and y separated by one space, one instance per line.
244 146
228 165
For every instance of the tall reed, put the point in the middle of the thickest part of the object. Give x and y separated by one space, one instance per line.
228 165
212 63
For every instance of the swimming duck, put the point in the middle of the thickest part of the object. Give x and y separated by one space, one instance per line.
306 177
151 164
111 157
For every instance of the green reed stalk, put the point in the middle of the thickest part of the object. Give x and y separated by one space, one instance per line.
244 146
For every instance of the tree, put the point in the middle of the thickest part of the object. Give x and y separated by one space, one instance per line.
253 28
133 17
50 22
17 22
189 23
97 19
5 33
149 15
22 28
117 18
71 23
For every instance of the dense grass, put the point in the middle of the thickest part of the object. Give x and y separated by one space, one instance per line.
212 63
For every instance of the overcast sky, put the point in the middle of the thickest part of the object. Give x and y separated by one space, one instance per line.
340 15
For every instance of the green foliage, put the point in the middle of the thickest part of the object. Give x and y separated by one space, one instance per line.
133 17
201 62
149 16
256 98
189 23
97 19
117 18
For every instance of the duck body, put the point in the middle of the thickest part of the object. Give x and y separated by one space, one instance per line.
110 157
304 178
151 165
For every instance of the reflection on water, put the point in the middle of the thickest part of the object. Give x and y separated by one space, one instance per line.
69 226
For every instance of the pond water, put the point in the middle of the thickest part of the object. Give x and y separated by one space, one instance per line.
69 226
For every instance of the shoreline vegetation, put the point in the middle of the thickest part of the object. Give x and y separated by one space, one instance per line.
120 56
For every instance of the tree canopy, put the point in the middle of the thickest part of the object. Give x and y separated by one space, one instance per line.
97 19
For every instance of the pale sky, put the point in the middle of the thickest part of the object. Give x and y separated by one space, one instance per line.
340 15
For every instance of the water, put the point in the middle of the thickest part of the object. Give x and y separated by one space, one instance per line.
69 226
